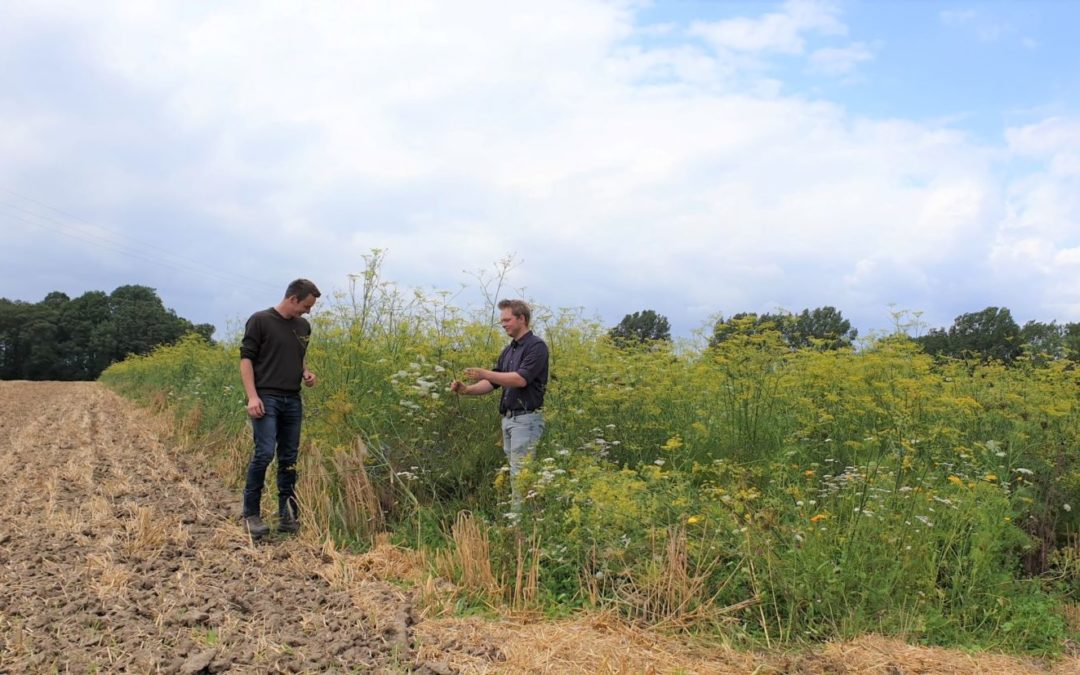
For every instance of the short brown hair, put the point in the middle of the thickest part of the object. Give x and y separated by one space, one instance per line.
302 288
518 308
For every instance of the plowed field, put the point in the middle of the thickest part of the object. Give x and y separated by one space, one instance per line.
118 553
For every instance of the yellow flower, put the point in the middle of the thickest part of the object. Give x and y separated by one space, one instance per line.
991 477
809 473
955 480
694 520
819 517
673 443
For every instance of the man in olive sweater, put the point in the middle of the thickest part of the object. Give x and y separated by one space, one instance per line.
272 368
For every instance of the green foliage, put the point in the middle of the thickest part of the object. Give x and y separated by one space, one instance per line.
989 335
790 494
745 324
819 328
641 328
64 339
1071 338
1045 342
191 374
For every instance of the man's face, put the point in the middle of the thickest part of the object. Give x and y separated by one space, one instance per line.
300 307
514 326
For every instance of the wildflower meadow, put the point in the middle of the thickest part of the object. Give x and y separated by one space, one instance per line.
745 490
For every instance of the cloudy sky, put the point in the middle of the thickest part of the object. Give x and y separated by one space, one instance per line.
692 157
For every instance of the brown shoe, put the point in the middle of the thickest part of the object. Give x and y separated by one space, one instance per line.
255 527
288 524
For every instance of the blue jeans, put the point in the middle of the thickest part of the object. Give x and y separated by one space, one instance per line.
278 429
520 436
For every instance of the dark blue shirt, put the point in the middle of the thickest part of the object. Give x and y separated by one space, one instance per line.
528 357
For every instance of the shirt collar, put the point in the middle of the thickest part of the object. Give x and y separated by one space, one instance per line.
522 340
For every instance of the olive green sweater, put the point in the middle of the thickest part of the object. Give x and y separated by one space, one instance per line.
276 347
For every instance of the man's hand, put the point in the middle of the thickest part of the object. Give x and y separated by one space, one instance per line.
255 407
476 374
481 383
309 378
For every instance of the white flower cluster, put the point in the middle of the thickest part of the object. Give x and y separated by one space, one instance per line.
418 382
600 445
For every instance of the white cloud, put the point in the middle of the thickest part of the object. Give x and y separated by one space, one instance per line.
1046 203
1039 238
1051 137
985 28
288 141
1069 257
781 31
840 60
958 17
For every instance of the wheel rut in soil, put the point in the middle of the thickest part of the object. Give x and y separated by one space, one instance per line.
118 556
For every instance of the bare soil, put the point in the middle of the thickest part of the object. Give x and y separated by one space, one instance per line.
119 552
118 556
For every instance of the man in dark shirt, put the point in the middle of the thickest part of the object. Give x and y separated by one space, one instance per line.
272 368
522 374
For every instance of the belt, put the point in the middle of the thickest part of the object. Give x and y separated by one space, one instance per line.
515 413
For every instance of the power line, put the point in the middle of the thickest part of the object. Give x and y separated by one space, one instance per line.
125 242
127 251
122 244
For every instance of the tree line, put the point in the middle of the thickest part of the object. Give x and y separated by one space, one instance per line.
993 335
822 327
987 335
61 338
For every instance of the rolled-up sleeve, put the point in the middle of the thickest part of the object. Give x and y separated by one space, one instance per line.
249 345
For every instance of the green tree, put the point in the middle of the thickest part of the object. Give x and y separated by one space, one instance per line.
13 345
82 318
1071 341
1043 341
205 330
64 339
43 333
748 323
935 342
641 328
989 335
821 328
138 322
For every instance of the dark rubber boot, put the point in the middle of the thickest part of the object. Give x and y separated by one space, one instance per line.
255 527
288 524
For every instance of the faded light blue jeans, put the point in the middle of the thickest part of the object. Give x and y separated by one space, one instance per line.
276 432
520 436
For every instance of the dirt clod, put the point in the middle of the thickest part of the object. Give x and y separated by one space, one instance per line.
198 664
